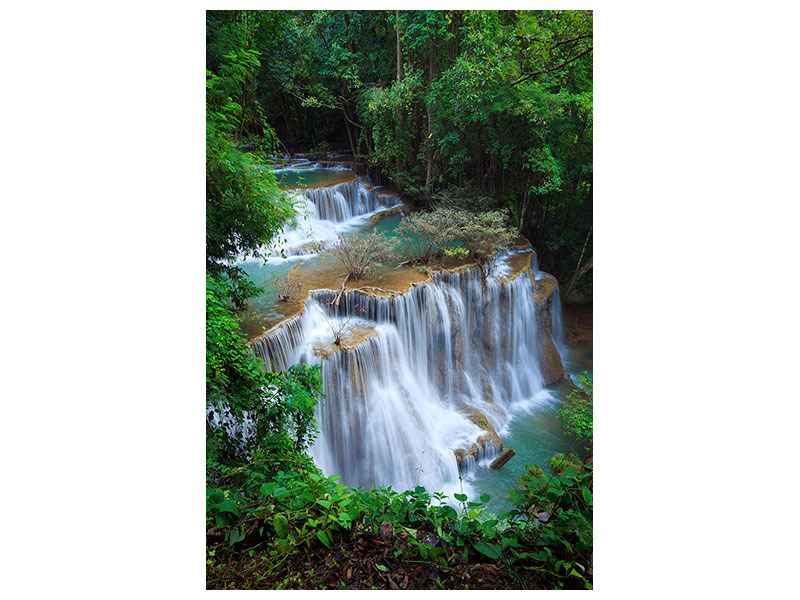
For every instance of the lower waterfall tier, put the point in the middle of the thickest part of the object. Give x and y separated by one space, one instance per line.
412 370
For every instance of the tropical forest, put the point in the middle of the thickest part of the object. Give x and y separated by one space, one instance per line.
399 258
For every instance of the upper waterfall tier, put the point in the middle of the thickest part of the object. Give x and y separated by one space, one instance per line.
334 202
342 202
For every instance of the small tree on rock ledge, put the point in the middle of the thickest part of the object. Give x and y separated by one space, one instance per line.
361 256
484 235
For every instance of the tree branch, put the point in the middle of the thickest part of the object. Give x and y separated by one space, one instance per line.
565 63
575 39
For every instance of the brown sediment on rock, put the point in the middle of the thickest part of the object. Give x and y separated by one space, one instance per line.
481 420
324 277
350 340
395 210
337 177
520 243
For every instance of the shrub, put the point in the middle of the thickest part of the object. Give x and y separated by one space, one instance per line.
576 412
286 288
361 255
289 523
425 233
559 462
481 234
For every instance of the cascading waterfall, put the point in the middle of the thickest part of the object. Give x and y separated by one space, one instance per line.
558 325
325 212
342 202
398 402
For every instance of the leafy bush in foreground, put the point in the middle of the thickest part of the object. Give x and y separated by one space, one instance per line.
303 530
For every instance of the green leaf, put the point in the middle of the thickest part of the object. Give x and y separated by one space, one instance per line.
268 488
227 505
460 497
382 568
485 497
281 525
490 550
236 536
323 537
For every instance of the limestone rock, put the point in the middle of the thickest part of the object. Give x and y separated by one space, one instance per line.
549 361
487 440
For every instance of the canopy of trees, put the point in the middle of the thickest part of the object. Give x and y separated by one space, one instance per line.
487 105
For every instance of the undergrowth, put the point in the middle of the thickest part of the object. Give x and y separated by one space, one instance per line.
300 529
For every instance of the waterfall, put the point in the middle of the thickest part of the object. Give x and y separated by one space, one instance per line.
537 274
325 212
558 325
399 399
342 202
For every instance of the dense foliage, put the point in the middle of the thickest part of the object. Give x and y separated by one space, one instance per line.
302 530
577 411
484 114
496 102
249 410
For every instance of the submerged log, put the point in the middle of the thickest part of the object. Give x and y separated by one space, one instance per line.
506 456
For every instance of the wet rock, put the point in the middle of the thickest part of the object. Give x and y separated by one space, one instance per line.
482 421
486 442
549 361
350 340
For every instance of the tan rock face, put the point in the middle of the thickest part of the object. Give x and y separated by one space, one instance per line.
549 360
350 340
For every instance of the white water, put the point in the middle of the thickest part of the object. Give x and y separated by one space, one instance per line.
395 405
558 326
323 214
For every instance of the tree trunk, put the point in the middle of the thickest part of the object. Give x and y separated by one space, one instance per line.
428 141
580 272
349 135
398 112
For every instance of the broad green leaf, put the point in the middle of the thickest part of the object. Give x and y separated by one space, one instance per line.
490 550
323 537
281 525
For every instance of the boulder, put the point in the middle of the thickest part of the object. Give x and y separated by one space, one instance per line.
487 439
549 361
